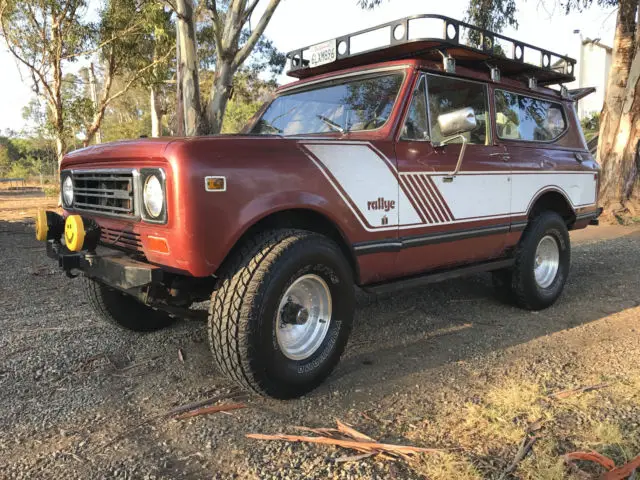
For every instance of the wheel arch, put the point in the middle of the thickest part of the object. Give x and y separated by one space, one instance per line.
553 199
303 219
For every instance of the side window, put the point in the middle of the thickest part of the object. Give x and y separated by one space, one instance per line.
416 125
519 117
449 94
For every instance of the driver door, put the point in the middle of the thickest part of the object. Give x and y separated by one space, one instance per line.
464 217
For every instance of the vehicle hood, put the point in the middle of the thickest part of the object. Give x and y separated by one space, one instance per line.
127 150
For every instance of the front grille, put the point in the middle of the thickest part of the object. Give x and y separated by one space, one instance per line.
104 192
126 239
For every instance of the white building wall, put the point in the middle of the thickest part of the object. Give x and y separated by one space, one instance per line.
593 72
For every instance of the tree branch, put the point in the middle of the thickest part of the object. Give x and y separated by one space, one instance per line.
103 44
34 70
249 11
217 26
244 52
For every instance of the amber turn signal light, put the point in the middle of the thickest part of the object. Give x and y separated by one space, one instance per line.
215 184
157 244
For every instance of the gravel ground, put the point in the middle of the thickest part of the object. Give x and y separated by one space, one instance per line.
80 399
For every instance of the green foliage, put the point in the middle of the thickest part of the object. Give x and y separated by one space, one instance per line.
4 160
591 122
26 156
591 125
128 117
369 4
249 94
580 5
494 15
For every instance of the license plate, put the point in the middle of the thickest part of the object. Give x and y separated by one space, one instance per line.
322 53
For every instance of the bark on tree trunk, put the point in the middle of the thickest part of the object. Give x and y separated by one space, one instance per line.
156 112
94 98
195 122
220 93
60 148
620 119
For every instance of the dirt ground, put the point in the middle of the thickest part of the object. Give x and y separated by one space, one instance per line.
19 207
447 366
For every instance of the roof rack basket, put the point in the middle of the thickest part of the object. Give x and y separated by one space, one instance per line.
427 37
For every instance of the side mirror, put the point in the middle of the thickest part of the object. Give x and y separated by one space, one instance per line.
457 122
453 125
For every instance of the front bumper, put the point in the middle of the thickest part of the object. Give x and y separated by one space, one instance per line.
106 265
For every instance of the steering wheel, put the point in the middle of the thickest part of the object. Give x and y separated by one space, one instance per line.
377 121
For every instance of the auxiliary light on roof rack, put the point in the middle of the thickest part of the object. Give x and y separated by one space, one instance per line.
435 37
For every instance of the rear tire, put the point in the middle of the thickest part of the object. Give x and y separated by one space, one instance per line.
542 261
122 310
282 313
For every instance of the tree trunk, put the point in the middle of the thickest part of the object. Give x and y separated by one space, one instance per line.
179 97
620 118
94 98
220 93
156 112
195 122
60 149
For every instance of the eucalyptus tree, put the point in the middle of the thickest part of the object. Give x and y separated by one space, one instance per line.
619 136
45 36
228 22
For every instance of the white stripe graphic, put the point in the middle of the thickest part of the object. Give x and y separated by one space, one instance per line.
361 174
365 177
418 200
433 198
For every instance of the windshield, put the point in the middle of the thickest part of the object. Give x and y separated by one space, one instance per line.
360 104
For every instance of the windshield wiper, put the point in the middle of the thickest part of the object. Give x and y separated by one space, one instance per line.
332 125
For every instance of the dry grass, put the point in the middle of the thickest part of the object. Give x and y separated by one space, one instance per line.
488 430
446 466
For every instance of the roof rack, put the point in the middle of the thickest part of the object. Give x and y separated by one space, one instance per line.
435 37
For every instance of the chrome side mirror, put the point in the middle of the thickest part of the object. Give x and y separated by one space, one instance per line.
457 122
454 125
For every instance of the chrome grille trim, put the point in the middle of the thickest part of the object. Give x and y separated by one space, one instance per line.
106 192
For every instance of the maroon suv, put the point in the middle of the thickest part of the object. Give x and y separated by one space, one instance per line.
431 156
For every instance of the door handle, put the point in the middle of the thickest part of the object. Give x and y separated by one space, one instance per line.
505 156
579 158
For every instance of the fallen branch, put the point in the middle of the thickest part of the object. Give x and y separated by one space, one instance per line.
576 391
605 462
202 403
350 432
626 471
213 409
363 443
175 411
525 447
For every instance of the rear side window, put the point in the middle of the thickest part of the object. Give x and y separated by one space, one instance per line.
519 117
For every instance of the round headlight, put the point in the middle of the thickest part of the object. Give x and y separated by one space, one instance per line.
67 191
153 196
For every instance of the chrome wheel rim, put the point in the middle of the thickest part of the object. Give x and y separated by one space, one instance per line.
303 317
547 261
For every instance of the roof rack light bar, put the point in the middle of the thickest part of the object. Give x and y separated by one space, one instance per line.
422 36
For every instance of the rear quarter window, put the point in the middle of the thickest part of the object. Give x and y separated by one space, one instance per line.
519 117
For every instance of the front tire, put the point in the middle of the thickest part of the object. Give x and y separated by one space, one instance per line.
282 313
122 310
542 261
